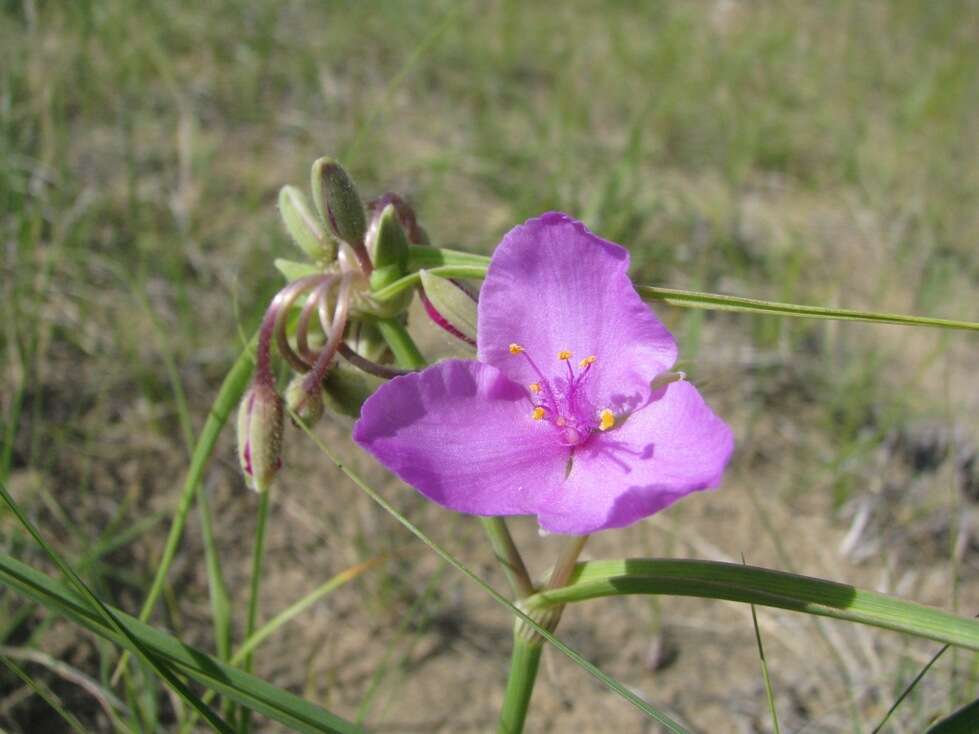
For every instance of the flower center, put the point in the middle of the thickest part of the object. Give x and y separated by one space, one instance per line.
561 400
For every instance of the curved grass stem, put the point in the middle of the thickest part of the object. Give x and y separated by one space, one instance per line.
258 556
229 396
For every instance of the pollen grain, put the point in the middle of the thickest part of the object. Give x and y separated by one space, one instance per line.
606 419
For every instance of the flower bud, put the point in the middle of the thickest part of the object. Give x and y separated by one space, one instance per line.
449 306
345 389
388 248
406 216
304 227
338 202
260 418
305 403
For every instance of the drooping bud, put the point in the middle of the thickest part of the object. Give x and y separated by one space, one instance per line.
345 389
388 246
338 202
450 306
304 226
260 422
305 403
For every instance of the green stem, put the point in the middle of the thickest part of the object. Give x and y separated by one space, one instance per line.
253 595
508 556
520 685
708 301
229 396
405 351
528 643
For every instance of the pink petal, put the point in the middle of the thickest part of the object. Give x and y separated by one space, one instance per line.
462 434
553 285
669 448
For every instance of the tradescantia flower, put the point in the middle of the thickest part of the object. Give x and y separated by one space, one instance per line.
570 412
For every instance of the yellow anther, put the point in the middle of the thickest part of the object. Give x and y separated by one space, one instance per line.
515 348
534 387
564 354
538 413
590 359
607 419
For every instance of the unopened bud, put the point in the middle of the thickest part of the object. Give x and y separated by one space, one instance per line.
304 226
338 202
449 306
388 248
306 404
406 216
260 419
345 389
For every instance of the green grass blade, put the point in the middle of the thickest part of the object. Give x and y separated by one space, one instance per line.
254 587
769 692
109 702
229 396
46 694
907 690
462 265
217 587
963 721
109 618
301 605
288 614
764 587
717 302
262 697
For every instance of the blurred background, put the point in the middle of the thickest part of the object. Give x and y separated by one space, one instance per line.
820 153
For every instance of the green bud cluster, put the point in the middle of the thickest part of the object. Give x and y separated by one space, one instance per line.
326 322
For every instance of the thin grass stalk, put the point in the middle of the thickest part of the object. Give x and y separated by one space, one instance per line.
769 691
251 622
708 301
228 397
286 615
99 608
46 694
294 712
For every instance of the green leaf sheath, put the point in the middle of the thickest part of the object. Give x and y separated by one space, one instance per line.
753 585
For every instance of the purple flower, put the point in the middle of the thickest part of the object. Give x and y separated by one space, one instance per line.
570 412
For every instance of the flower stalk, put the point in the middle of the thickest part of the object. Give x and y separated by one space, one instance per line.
528 644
